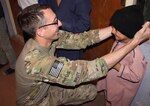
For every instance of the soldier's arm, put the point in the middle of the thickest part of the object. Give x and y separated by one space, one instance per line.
69 40
50 69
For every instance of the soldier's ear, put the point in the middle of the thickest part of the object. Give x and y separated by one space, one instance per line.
40 32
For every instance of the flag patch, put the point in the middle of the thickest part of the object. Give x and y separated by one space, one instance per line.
56 68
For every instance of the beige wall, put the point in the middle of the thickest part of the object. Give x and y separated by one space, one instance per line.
130 2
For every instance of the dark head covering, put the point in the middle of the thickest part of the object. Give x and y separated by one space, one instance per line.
128 20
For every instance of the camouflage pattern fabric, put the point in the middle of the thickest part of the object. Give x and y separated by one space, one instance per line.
65 95
78 41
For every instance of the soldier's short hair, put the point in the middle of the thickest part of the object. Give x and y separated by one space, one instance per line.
30 18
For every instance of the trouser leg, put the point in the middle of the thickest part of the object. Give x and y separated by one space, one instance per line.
3 59
67 96
6 45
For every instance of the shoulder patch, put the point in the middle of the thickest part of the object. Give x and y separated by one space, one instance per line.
56 68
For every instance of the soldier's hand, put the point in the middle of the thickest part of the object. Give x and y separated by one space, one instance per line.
144 33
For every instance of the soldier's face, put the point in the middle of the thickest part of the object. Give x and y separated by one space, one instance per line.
51 27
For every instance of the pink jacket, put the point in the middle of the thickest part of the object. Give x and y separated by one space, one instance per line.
122 86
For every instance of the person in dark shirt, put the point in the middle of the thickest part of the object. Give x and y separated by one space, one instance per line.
75 17
43 1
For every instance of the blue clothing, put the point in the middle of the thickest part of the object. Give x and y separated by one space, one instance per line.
43 1
75 17
74 14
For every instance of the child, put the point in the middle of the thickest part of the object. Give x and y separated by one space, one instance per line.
123 80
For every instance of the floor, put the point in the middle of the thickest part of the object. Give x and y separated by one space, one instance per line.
8 86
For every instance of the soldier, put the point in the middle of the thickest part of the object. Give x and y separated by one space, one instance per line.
45 80
7 54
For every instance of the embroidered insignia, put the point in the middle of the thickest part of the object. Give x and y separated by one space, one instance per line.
56 68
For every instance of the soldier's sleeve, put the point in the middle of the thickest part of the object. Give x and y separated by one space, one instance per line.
68 40
50 69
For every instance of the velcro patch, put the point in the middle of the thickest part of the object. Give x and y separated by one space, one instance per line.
56 68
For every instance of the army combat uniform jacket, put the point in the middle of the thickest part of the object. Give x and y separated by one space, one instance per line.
40 75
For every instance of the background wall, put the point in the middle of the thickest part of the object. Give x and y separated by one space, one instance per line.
100 17
130 2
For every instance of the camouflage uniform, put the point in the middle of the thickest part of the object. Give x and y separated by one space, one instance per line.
7 53
43 79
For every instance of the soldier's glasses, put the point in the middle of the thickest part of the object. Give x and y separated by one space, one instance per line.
54 23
